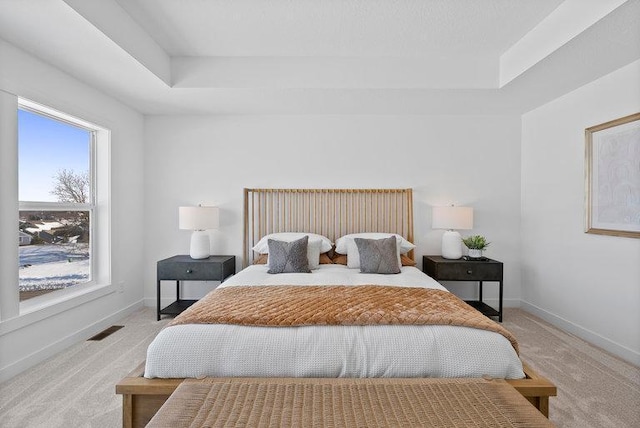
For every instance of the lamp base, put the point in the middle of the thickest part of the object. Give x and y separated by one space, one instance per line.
451 245
200 248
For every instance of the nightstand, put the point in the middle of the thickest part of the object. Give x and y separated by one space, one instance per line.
442 269
184 268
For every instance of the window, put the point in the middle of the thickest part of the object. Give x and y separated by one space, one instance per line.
61 209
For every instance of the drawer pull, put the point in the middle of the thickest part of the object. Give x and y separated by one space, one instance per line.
189 271
469 272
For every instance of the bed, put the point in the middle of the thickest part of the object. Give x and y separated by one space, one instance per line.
187 350
223 350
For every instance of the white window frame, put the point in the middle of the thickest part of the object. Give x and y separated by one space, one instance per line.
98 208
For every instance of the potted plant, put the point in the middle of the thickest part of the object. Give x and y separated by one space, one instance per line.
476 245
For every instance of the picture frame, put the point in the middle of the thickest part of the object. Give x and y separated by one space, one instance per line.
612 177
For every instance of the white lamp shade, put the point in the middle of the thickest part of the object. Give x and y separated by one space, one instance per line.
451 218
198 218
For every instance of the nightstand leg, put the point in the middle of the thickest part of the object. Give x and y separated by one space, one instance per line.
158 300
500 303
178 290
480 296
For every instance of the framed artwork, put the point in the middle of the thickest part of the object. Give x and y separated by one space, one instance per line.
613 177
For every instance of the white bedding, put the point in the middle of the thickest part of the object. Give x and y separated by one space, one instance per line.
331 351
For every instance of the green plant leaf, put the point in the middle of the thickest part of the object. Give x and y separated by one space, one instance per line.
476 242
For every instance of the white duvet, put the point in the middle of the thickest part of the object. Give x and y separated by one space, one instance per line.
331 351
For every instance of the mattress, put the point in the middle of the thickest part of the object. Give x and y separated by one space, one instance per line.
217 350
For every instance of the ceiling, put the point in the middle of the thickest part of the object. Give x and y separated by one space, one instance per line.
329 56
344 28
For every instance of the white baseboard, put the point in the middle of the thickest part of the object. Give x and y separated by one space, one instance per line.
594 338
48 351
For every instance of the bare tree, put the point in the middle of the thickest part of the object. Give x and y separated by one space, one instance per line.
71 187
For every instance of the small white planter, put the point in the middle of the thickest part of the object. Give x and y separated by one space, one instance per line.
475 254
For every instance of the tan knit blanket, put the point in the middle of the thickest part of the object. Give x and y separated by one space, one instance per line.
285 306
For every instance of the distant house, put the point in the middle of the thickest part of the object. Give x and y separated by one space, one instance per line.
24 238
47 237
44 230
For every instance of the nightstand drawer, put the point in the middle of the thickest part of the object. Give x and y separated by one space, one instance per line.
190 271
476 271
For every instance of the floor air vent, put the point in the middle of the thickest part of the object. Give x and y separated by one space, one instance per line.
106 332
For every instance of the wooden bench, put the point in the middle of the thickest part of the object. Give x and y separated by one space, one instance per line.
346 402
142 397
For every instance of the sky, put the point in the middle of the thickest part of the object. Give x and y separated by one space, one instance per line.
46 146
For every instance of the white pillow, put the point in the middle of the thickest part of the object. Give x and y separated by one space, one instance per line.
313 254
341 244
353 254
262 246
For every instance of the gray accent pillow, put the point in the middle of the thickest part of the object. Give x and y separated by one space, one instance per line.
288 257
378 255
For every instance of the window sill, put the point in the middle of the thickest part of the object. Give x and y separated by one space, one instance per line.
40 309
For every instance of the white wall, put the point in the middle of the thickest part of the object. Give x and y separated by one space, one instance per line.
209 159
24 343
587 284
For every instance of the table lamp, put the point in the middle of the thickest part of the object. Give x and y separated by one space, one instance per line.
451 218
199 219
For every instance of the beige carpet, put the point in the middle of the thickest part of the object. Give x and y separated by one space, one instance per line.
595 389
76 388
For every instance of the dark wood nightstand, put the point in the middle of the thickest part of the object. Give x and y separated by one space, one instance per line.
184 268
442 269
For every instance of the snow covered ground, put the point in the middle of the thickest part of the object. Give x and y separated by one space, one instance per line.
50 267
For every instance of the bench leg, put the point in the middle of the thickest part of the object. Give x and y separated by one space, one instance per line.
540 403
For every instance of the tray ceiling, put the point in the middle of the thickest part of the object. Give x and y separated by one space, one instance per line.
329 57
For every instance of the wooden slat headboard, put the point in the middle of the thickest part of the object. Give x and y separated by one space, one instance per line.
329 212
